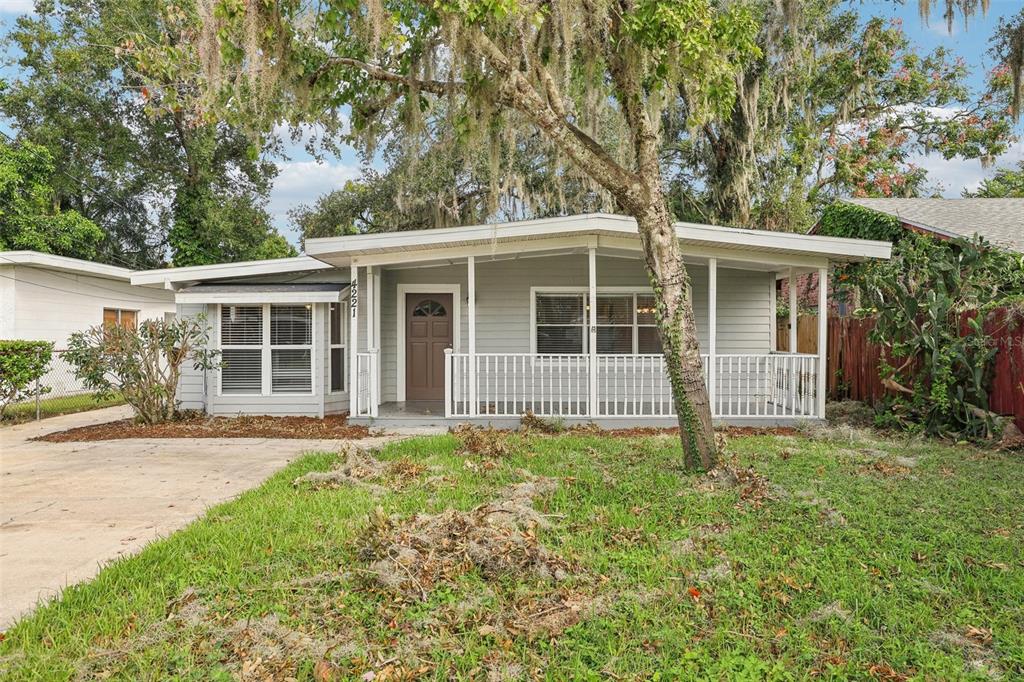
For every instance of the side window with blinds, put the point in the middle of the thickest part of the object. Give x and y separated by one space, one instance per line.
291 348
561 324
241 340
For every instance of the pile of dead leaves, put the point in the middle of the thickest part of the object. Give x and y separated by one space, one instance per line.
412 556
478 440
360 468
332 427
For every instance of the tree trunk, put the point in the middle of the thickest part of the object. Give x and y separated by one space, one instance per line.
678 331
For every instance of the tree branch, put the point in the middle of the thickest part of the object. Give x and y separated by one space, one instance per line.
436 87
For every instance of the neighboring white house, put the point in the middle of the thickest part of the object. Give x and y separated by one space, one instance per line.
44 297
482 323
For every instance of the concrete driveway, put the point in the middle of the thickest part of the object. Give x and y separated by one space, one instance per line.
68 508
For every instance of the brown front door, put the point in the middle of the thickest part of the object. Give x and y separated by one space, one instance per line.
428 331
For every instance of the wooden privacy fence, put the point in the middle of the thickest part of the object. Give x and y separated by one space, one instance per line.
853 361
806 334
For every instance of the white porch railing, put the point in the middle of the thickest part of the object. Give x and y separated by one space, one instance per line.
366 384
509 384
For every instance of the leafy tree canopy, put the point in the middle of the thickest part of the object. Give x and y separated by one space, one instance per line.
140 171
1006 183
29 216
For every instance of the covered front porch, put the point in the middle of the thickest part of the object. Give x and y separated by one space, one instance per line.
584 383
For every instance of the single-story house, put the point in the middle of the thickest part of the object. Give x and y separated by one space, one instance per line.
483 323
44 297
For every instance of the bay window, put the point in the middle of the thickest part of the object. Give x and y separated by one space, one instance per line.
625 323
266 349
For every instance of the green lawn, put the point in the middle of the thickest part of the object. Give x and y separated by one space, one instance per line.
864 560
51 407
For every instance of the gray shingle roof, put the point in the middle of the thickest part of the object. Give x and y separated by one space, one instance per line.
1000 221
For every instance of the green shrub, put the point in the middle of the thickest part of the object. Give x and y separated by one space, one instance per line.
929 303
21 363
142 364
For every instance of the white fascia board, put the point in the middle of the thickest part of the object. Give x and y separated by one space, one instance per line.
416 239
839 248
256 297
77 266
199 273
429 242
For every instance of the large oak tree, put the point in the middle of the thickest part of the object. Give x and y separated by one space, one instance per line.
592 78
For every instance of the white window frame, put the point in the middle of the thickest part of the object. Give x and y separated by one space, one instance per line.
266 365
555 291
343 311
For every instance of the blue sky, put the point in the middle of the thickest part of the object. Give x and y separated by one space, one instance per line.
302 179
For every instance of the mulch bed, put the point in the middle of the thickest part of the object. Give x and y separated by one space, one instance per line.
330 427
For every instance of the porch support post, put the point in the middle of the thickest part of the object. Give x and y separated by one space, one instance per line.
471 287
592 329
371 338
773 320
353 340
792 311
712 333
822 338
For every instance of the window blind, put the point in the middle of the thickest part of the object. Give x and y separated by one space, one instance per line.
241 325
291 325
241 371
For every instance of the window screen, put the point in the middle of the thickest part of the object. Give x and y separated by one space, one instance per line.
241 325
647 340
560 324
615 324
291 325
290 370
241 371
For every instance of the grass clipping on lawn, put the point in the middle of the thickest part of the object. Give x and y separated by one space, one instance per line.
410 557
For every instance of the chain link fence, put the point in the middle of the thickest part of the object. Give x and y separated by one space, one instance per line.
57 391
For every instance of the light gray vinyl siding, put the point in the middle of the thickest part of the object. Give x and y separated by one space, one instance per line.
192 383
503 302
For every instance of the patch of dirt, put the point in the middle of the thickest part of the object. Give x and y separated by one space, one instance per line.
975 645
755 489
331 427
722 570
731 431
827 513
886 467
833 611
411 556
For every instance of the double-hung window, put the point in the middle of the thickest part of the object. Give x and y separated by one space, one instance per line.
266 349
625 323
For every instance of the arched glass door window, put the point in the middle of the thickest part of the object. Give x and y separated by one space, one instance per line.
429 308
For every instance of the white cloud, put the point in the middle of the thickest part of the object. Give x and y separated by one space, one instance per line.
302 182
954 175
17 6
